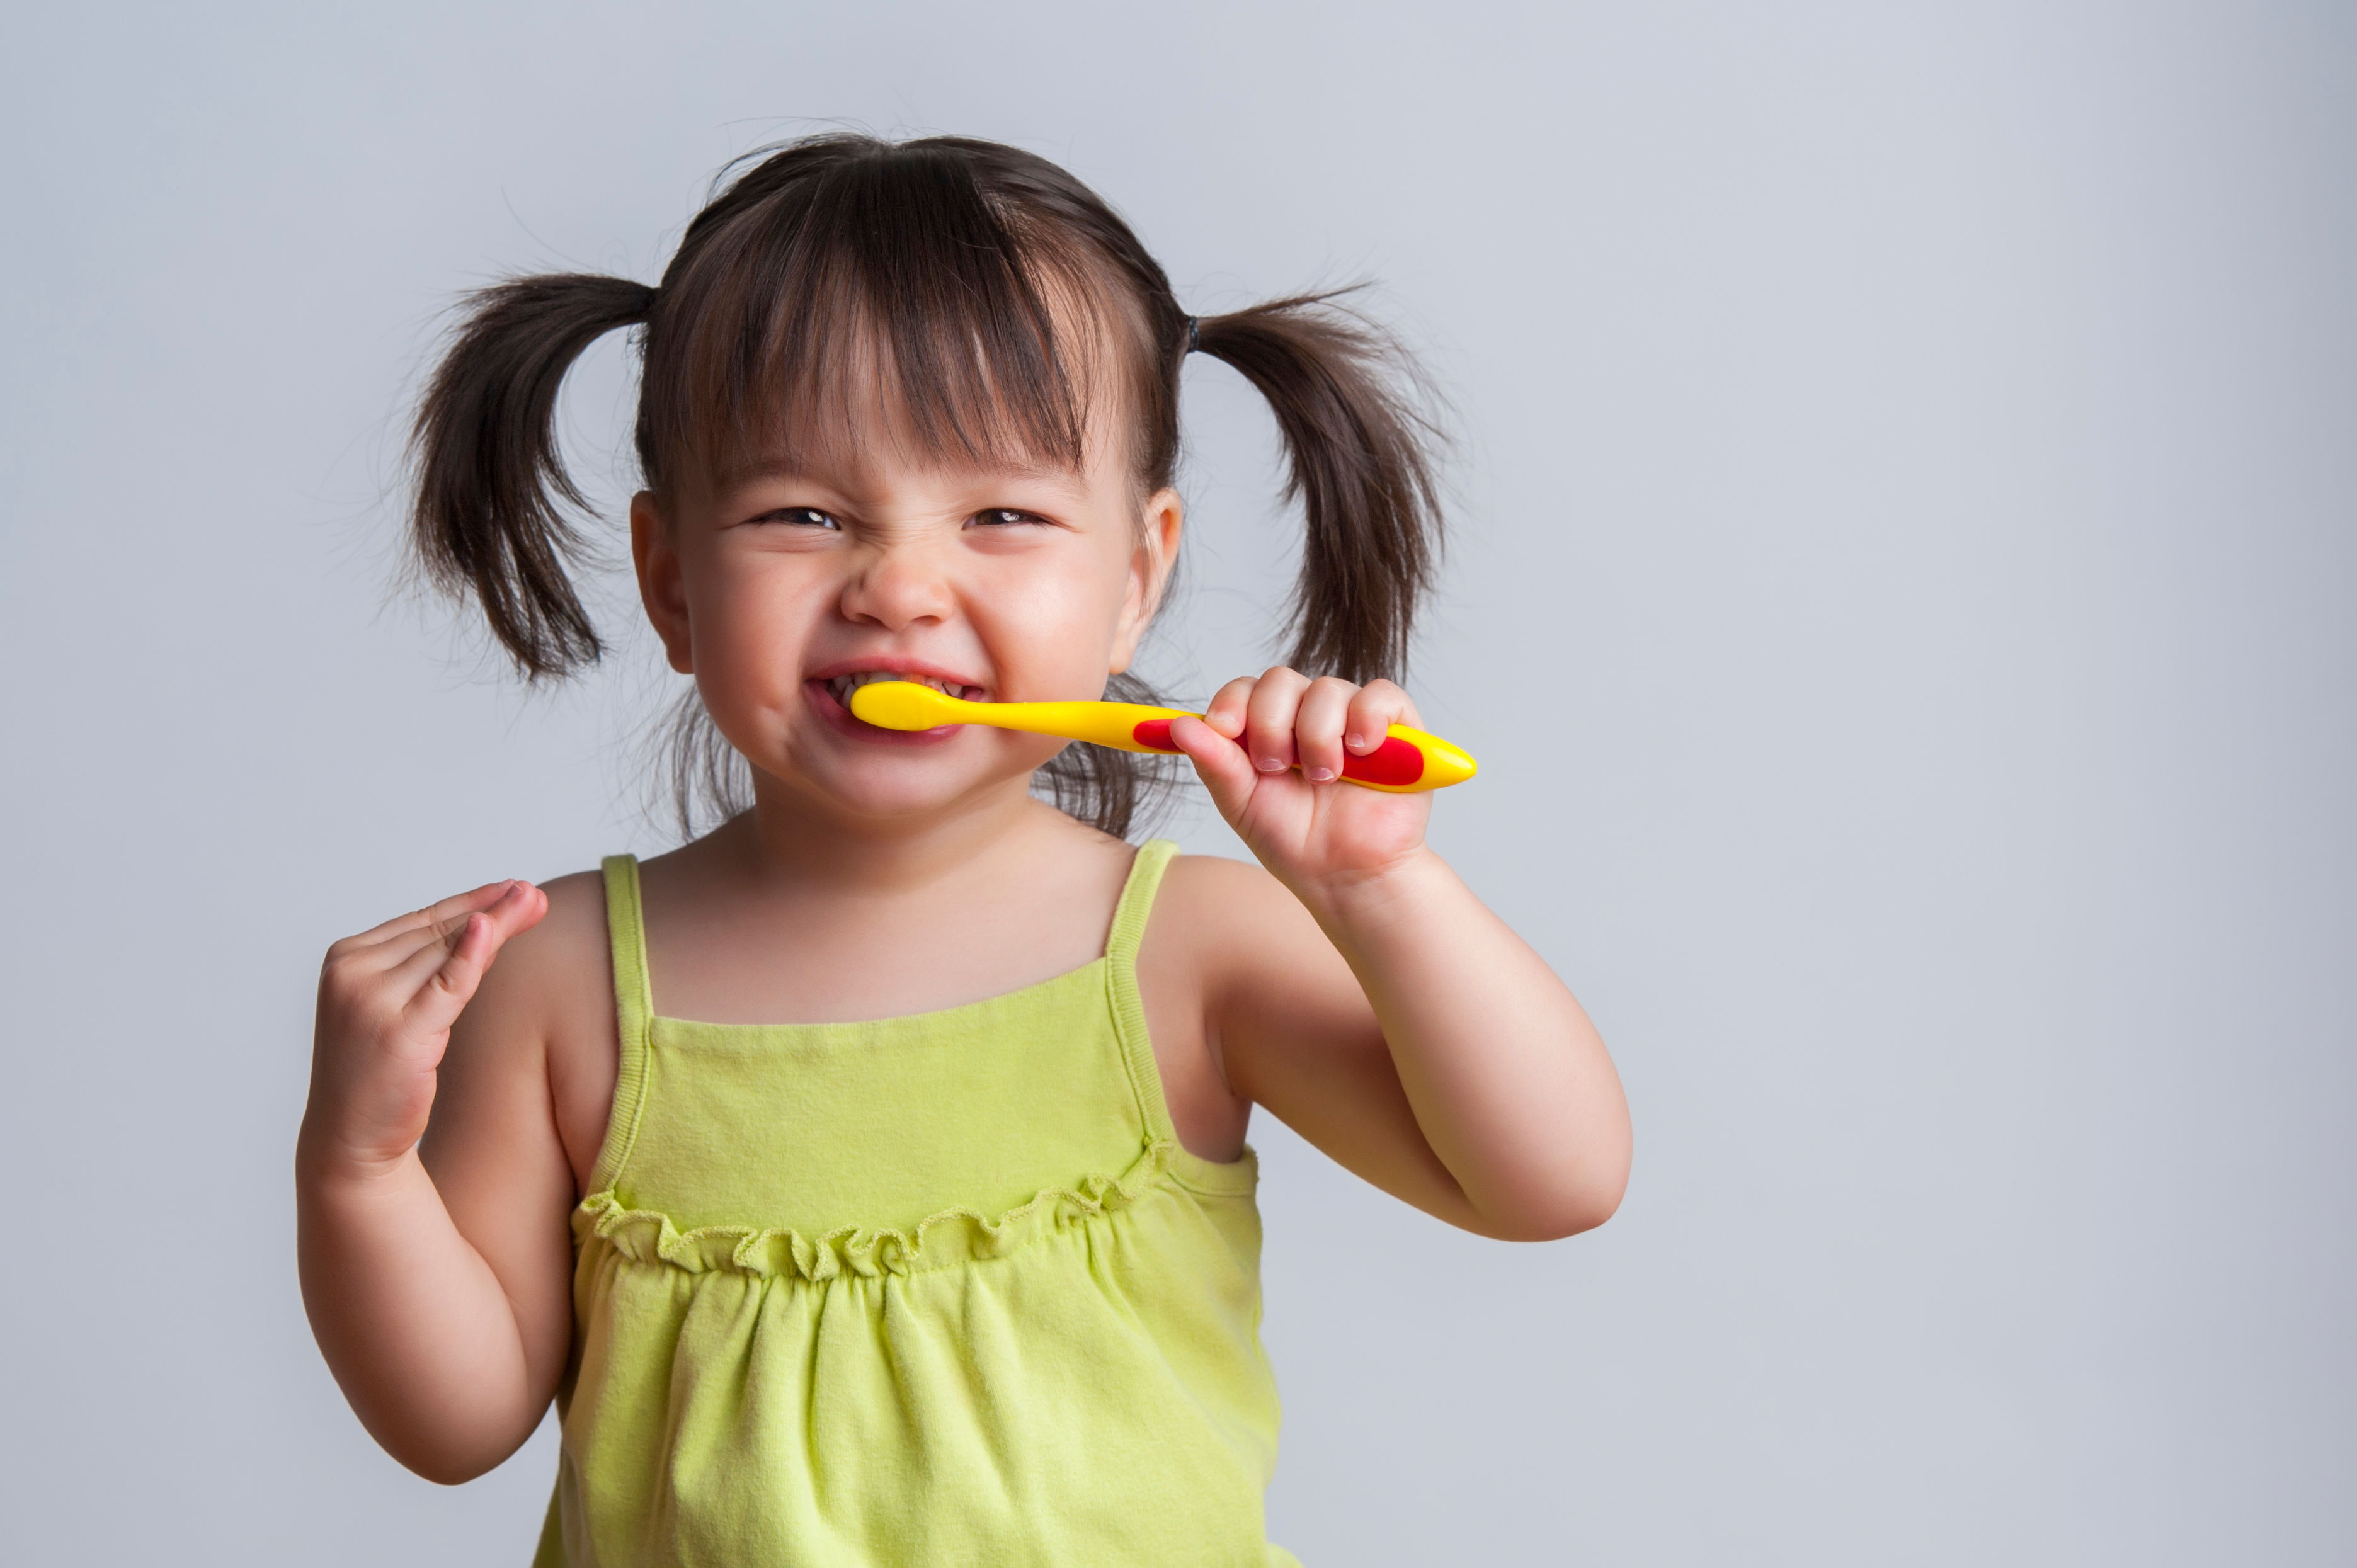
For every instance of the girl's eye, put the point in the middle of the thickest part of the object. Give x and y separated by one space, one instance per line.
1004 516
800 517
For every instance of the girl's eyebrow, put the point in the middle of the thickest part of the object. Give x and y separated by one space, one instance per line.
1051 474
737 474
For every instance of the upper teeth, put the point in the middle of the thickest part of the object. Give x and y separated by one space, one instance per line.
844 685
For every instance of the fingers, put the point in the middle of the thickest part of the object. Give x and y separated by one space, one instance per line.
1284 719
1375 708
435 982
1317 728
361 968
387 1001
394 969
1269 714
1226 771
444 991
1226 714
399 936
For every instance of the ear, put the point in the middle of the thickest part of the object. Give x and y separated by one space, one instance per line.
1149 572
660 589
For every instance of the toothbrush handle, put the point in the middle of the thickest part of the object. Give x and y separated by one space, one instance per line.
1122 726
1409 761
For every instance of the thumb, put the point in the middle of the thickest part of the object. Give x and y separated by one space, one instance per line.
444 990
1224 767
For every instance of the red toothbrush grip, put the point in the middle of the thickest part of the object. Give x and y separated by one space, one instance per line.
1398 763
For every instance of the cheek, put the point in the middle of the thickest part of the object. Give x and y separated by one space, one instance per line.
749 621
1055 615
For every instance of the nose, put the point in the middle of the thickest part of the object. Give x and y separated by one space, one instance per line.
899 584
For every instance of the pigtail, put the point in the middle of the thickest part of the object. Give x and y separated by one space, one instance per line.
1359 459
488 519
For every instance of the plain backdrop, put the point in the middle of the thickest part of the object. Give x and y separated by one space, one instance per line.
1906 503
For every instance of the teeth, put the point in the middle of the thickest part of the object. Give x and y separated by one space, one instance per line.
844 685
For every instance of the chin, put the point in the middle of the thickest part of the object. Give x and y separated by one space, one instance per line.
904 787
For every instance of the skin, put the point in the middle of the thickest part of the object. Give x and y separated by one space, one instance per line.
1349 983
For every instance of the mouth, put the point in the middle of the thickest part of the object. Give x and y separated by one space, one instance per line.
830 693
841 686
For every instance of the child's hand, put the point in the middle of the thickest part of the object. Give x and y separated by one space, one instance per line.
1313 833
387 999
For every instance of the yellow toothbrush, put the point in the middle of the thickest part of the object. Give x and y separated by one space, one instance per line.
1408 761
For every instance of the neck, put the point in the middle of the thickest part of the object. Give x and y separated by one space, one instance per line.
789 840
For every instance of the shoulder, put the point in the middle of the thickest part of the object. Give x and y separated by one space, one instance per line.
1201 883
547 985
1195 882
1238 954
545 1010
567 952
1224 914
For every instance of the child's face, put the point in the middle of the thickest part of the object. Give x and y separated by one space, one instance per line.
1002 586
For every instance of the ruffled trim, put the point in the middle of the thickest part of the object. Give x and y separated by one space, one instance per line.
944 1240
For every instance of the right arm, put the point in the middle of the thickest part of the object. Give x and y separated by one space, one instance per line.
440 1299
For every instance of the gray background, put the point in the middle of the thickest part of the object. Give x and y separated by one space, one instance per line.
1906 457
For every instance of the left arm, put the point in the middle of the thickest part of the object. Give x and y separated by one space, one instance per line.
1426 1047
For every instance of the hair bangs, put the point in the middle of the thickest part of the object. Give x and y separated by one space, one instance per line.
897 299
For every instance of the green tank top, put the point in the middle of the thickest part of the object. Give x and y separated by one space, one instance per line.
934 1289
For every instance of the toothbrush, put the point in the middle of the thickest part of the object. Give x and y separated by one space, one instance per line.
1408 761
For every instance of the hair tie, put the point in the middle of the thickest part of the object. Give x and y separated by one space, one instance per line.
1194 333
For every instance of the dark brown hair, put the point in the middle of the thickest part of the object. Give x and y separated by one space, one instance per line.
998 304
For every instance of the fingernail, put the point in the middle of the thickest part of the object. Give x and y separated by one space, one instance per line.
1270 765
1354 741
1321 775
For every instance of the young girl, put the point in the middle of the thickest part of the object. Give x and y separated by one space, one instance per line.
867 1179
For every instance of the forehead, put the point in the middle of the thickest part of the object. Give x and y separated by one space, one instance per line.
828 363
860 410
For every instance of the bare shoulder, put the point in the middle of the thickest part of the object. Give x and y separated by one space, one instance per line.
546 971
1215 908
546 1009
1235 934
1242 967
1212 917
